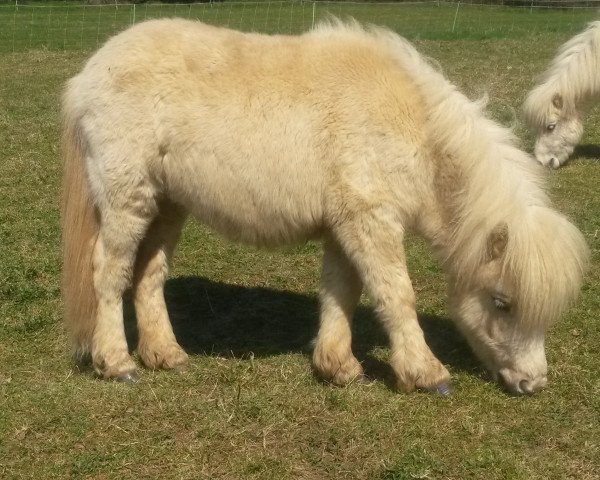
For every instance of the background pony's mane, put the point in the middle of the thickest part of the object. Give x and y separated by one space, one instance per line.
573 73
503 187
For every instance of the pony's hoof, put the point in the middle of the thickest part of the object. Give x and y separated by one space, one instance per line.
184 367
167 356
127 377
338 368
363 380
444 389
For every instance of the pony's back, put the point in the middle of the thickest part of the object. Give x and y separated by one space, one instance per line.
201 92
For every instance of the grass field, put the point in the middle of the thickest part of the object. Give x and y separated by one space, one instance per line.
71 26
249 406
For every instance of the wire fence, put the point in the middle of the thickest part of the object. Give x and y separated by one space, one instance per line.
72 26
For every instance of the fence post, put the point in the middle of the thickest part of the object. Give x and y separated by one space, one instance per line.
313 15
133 16
455 16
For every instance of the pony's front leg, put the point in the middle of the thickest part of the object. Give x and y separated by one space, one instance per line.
157 345
340 291
375 246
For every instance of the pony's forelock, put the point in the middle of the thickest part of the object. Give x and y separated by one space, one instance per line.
546 257
538 107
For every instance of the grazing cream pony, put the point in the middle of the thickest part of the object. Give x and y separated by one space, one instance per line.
553 108
340 133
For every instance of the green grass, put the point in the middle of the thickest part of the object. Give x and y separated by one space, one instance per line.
60 26
249 406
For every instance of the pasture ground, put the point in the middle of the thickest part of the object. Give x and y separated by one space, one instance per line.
249 406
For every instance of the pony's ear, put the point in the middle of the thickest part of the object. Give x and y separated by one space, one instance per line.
557 101
497 241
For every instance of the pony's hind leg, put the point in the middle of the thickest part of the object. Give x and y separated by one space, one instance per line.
121 230
374 244
157 345
340 291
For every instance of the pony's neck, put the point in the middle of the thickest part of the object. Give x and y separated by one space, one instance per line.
478 177
441 208
469 200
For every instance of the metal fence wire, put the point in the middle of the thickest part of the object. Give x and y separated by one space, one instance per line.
85 26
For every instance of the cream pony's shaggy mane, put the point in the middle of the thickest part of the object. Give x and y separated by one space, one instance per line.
503 186
573 74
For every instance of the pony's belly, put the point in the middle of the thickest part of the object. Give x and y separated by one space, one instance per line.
261 229
267 208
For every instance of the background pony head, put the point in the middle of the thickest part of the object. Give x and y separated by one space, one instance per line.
556 123
553 108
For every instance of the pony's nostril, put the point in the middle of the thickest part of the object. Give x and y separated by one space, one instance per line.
520 384
526 387
554 162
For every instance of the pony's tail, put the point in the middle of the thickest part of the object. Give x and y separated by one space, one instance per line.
80 229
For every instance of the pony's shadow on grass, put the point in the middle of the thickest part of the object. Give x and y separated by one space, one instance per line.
588 151
211 318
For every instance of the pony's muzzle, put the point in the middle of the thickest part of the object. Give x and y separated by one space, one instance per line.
519 383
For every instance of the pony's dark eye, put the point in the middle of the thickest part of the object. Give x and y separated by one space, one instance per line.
501 304
551 127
